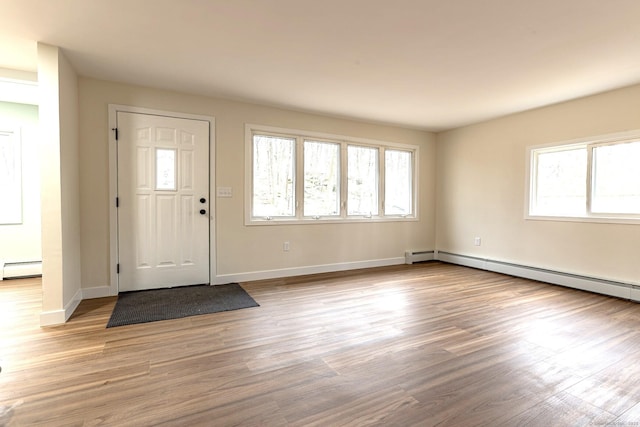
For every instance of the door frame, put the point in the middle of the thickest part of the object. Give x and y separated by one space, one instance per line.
114 109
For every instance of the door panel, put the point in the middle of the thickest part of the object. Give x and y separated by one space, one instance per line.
163 174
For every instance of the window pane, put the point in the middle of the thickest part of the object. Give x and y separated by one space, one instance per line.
273 176
10 178
321 179
560 186
397 182
362 180
616 178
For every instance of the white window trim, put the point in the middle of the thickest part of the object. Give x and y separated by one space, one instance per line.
589 143
327 137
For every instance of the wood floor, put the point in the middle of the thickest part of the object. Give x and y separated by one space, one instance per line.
427 344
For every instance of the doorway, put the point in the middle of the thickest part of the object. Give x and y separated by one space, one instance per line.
20 214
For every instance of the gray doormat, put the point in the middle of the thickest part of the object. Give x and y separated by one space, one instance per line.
174 303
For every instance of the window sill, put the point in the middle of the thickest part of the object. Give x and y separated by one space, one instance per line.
593 219
311 221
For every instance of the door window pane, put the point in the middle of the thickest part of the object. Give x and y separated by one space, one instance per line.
273 176
362 180
321 179
165 169
616 178
397 182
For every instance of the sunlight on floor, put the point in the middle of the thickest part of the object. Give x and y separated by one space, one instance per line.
393 301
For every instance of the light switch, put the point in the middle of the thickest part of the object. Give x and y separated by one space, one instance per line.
224 192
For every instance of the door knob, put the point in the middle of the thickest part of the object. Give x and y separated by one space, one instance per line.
203 200
203 211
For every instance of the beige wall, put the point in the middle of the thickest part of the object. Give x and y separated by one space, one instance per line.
60 199
481 191
244 249
70 178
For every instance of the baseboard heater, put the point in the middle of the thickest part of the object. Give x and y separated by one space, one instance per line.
16 270
417 256
576 281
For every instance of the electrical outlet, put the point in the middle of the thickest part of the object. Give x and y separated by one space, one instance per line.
285 246
477 241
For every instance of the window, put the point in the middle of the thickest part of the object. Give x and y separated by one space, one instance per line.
301 177
398 182
10 177
560 182
616 178
597 179
362 181
321 179
165 169
273 176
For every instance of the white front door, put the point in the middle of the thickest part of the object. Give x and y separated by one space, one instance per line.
163 201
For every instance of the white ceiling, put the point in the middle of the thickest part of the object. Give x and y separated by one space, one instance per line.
429 64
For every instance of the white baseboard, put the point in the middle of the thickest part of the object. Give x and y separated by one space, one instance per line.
52 318
58 317
20 269
301 271
106 291
98 292
592 284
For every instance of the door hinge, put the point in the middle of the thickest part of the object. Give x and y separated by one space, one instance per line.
117 202
116 132
117 268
